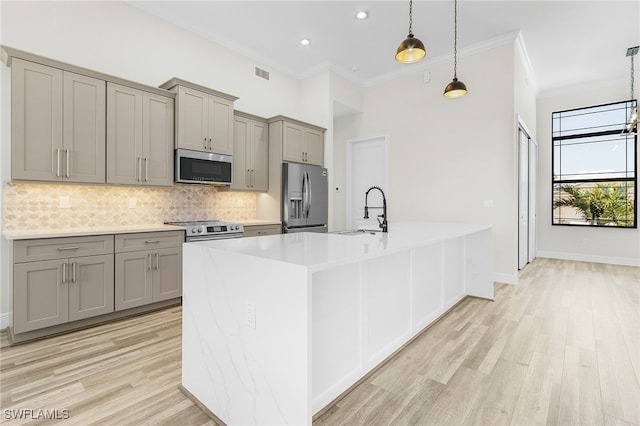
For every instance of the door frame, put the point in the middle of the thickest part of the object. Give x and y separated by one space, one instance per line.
349 174
532 196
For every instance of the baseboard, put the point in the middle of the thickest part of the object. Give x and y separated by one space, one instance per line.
5 321
499 277
625 261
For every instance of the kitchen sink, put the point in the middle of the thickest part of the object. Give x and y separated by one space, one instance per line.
356 232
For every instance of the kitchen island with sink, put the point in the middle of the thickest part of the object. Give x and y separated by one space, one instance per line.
277 327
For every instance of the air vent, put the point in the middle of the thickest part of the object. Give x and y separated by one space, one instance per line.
262 73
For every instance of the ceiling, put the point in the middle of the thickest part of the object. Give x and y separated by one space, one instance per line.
568 42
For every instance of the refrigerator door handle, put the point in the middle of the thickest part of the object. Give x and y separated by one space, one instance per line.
309 194
304 196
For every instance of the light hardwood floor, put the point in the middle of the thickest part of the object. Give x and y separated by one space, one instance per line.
560 348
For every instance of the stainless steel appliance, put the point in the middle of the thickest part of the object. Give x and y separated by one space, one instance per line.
202 167
202 230
305 198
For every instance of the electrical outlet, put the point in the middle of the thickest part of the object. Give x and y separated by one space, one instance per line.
488 203
63 202
251 315
133 203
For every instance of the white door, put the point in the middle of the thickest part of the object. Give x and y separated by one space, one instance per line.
533 195
366 167
523 199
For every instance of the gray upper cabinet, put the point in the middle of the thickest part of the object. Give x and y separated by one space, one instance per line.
57 124
204 117
302 143
250 153
139 137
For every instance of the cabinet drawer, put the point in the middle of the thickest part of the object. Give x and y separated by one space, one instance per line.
260 230
148 241
61 248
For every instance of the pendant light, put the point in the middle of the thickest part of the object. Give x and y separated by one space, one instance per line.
411 49
631 128
456 88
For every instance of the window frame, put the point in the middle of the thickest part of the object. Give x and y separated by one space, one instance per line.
634 180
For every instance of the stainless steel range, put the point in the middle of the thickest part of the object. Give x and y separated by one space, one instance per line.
202 230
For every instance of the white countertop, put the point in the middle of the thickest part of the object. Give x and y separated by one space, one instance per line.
79 231
318 250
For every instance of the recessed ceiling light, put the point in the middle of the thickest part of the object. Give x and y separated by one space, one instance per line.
362 15
305 42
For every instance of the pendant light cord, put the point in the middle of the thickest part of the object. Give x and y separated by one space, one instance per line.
632 76
455 39
410 17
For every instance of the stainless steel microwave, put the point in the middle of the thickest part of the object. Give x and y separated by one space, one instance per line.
202 167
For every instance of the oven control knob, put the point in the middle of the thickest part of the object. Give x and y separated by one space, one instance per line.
200 229
192 230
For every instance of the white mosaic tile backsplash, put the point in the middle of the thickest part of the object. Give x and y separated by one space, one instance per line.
39 206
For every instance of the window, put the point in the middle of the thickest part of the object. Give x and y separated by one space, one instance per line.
594 167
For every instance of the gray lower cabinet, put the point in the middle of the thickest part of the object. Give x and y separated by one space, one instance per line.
57 280
148 268
261 230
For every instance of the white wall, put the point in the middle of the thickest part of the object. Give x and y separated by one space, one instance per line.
606 245
447 156
121 40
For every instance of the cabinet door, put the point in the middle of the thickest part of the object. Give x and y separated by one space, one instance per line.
36 121
157 140
40 295
313 147
221 125
193 107
292 136
259 156
241 153
90 286
84 105
167 273
261 230
124 134
133 285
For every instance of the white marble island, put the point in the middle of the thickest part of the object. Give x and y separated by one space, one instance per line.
327 309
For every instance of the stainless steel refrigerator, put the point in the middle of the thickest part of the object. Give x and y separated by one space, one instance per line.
305 198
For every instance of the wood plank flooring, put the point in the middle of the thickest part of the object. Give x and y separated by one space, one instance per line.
560 348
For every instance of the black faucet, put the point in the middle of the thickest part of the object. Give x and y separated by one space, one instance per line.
381 223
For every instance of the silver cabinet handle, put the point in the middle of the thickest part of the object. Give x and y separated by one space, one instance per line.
64 273
68 248
73 272
149 262
146 169
58 162
205 143
68 163
151 241
139 171
248 178
157 261
210 145
253 178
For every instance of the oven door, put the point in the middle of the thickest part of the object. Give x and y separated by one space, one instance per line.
213 237
202 167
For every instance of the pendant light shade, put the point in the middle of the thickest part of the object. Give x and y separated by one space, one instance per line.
456 88
411 49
